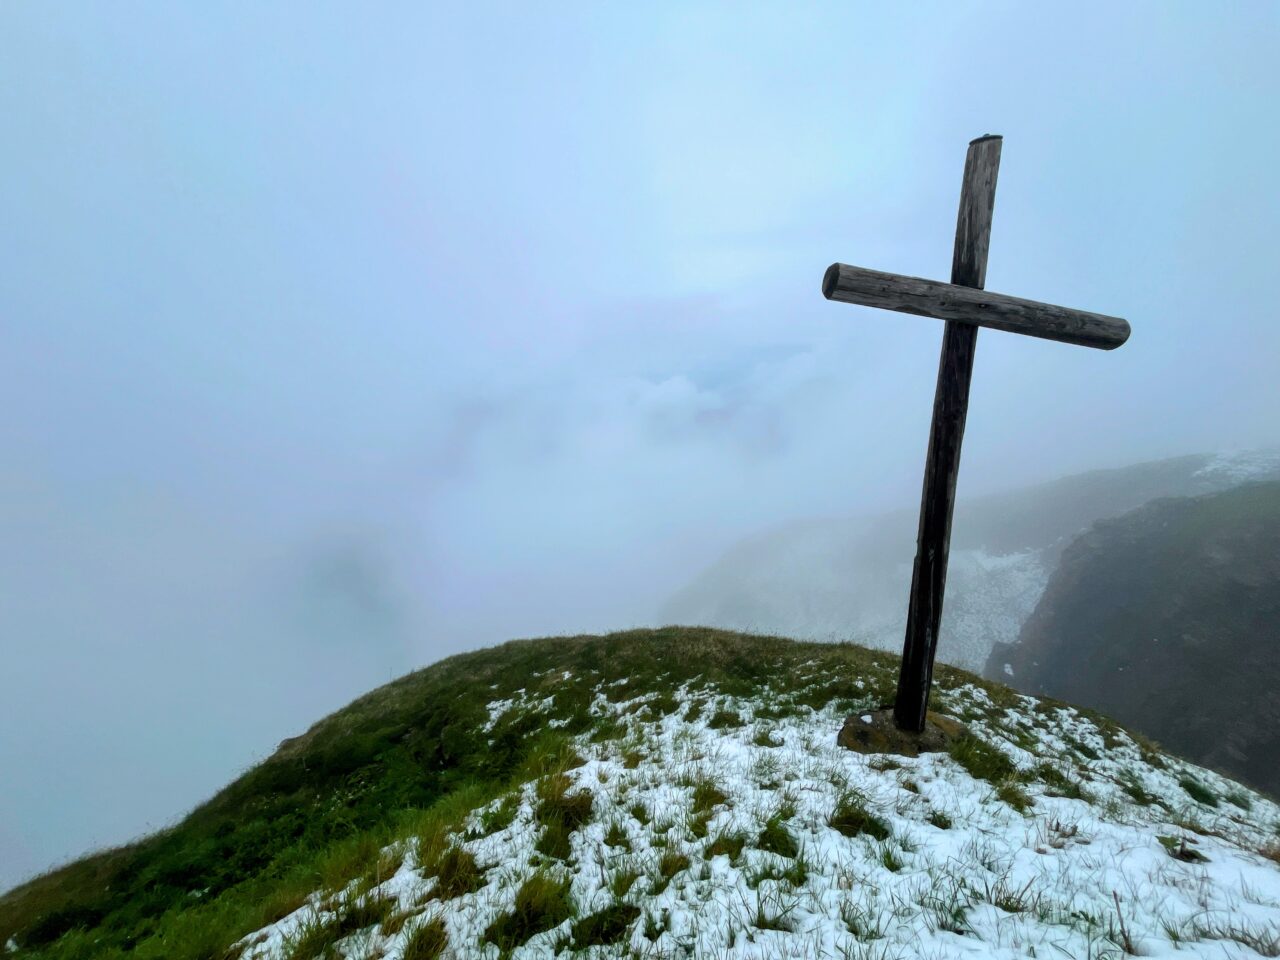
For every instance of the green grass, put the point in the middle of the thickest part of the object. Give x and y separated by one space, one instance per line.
604 927
623 880
669 864
774 915
852 818
981 760
1137 794
542 902
655 924
1178 849
560 812
409 761
776 838
1198 792
776 709
426 941
345 861
1059 784
317 934
706 794
386 867
888 857
1240 799
940 820
1085 750
285 900
725 719
393 924
1262 939
498 818
1014 796
795 872
456 874
364 911
727 844
616 836
312 938
661 704
765 738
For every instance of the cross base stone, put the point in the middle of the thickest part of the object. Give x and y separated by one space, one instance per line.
874 731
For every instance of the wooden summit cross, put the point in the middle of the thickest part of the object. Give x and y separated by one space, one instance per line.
965 306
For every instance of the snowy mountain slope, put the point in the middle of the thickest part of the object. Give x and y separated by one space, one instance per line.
847 578
1183 593
759 837
678 793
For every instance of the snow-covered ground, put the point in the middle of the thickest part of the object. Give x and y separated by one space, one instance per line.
989 596
1227 469
958 871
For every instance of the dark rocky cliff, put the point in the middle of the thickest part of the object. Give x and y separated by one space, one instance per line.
847 578
1168 619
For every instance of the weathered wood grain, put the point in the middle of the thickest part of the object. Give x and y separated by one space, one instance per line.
969 305
965 307
942 465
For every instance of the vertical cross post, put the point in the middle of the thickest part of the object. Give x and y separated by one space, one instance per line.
942 466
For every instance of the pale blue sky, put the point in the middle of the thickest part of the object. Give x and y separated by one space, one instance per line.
336 339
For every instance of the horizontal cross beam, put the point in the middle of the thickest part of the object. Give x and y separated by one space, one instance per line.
947 301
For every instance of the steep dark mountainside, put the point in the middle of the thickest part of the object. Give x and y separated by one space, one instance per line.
1168 618
847 578
680 793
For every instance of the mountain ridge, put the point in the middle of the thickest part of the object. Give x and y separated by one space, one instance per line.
847 578
677 791
1149 609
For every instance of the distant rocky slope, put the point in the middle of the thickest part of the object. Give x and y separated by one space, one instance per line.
680 793
1168 618
847 578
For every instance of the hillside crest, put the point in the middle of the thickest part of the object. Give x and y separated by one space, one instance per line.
680 792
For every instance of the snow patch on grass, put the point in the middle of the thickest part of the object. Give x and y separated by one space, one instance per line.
1048 835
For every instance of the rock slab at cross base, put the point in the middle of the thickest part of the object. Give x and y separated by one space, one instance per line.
874 731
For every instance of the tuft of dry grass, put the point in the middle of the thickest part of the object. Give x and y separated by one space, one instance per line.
669 864
427 941
393 924
457 874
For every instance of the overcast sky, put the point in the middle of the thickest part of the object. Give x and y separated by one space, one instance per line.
336 339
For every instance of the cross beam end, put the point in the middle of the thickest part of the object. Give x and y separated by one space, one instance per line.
947 301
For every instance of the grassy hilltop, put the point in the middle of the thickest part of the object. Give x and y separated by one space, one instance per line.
678 792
